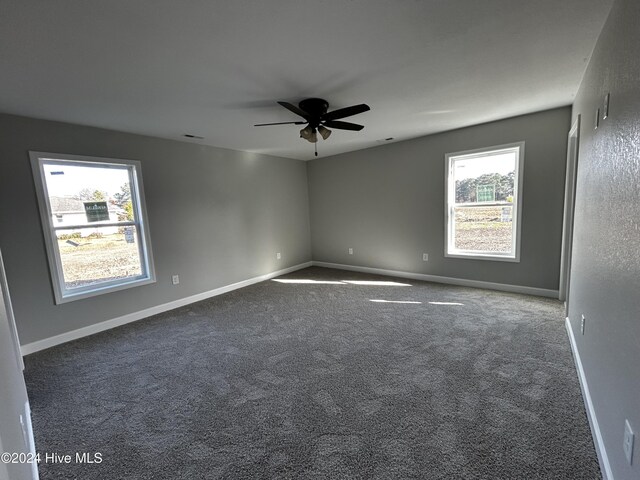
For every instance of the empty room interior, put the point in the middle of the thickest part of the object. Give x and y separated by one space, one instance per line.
364 239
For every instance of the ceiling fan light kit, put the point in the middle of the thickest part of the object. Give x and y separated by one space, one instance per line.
315 114
324 132
309 134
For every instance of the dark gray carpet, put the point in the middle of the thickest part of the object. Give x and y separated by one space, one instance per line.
316 381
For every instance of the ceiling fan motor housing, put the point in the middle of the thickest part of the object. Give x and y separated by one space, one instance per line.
315 107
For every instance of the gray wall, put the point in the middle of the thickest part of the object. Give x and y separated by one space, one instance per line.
605 273
216 217
388 202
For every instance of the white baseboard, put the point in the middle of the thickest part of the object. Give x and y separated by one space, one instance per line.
540 292
603 459
147 312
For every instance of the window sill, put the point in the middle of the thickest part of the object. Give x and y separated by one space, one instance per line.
480 256
98 290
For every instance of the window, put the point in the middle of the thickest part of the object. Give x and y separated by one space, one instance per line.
483 203
94 223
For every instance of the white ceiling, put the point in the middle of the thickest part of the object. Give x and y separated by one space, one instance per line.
215 67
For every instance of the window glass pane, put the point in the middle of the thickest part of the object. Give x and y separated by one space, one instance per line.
484 229
95 255
80 195
486 178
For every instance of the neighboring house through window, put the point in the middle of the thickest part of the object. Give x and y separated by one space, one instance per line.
483 203
94 222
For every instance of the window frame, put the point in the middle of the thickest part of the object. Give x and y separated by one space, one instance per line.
449 204
49 228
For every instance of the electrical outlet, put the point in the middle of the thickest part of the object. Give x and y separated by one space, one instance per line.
350 251
582 324
627 444
278 256
175 279
425 257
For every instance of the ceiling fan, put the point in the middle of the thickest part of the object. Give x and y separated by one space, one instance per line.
314 112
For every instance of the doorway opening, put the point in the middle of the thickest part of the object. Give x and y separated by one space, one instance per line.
573 145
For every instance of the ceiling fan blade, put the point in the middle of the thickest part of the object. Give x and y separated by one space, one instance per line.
279 123
294 109
346 112
343 125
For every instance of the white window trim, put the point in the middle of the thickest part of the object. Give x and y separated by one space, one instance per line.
517 214
63 295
